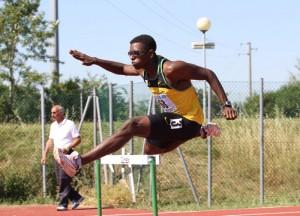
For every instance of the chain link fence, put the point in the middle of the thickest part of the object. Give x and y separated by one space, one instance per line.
182 176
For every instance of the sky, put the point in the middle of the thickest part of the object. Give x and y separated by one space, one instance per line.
103 28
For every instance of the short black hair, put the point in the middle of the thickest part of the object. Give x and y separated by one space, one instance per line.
147 40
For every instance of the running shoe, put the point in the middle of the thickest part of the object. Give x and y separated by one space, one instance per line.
61 208
211 129
70 163
77 203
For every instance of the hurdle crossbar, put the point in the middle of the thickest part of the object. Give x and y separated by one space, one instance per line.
151 160
129 159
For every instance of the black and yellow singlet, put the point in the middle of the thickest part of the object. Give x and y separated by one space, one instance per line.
183 102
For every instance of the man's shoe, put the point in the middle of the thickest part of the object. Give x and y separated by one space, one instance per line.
211 129
69 163
77 203
61 208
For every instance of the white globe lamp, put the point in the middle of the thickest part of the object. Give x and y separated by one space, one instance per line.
203 24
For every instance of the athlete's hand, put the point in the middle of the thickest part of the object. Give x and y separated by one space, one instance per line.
86 60
229 113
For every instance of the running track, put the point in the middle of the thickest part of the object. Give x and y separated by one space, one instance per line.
49 210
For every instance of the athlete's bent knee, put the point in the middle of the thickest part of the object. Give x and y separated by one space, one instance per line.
134 126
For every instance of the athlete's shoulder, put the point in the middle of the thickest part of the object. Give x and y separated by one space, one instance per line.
174 66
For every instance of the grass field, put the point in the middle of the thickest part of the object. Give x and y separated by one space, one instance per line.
235 167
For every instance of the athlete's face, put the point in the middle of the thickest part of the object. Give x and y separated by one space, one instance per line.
139 55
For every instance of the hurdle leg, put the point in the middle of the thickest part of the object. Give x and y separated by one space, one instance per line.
98 188
153 185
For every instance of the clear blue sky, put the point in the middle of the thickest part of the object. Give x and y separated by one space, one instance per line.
103 28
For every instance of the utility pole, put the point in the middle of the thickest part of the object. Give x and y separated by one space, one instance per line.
250 68
249 53
55 62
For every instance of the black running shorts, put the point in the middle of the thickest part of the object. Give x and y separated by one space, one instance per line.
167 128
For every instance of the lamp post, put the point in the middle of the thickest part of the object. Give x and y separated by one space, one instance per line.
203 24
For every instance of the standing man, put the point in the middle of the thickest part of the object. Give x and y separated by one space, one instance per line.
170 83
65 136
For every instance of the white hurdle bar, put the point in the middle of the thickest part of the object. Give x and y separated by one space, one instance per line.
151 160
129 159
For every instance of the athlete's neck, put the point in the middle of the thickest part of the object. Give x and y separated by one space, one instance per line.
152 67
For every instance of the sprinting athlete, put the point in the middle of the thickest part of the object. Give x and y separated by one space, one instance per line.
170 83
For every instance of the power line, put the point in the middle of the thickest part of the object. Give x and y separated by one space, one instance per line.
146 27
178 22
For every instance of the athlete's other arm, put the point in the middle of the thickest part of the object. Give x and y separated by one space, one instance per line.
112 66
180 71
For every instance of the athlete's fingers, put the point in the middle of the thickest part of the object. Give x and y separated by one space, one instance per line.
229 113
78 55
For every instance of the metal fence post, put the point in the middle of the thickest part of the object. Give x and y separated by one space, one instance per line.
43 139
111 123
130 102
261 139
110 104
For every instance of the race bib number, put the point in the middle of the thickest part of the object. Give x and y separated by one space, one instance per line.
165 103
176 123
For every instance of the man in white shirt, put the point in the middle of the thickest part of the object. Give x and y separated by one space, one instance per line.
64 136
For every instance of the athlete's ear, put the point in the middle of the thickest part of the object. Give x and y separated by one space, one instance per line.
152 53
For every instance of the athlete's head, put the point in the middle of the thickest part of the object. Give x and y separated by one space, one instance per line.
146 40
142 50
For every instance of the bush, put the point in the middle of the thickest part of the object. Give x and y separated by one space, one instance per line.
15 187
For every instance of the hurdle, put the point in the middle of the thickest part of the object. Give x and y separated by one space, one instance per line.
151 160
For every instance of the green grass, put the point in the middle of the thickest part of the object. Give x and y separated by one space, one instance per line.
235 166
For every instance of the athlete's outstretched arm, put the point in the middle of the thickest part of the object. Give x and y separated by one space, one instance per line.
112 66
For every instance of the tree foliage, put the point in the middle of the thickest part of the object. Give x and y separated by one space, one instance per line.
215 104
24 37
283 102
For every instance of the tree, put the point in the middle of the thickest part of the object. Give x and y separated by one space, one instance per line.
67 94
294 77
4 106
283 102
24 36
141 107
120 105
215 104
288 99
